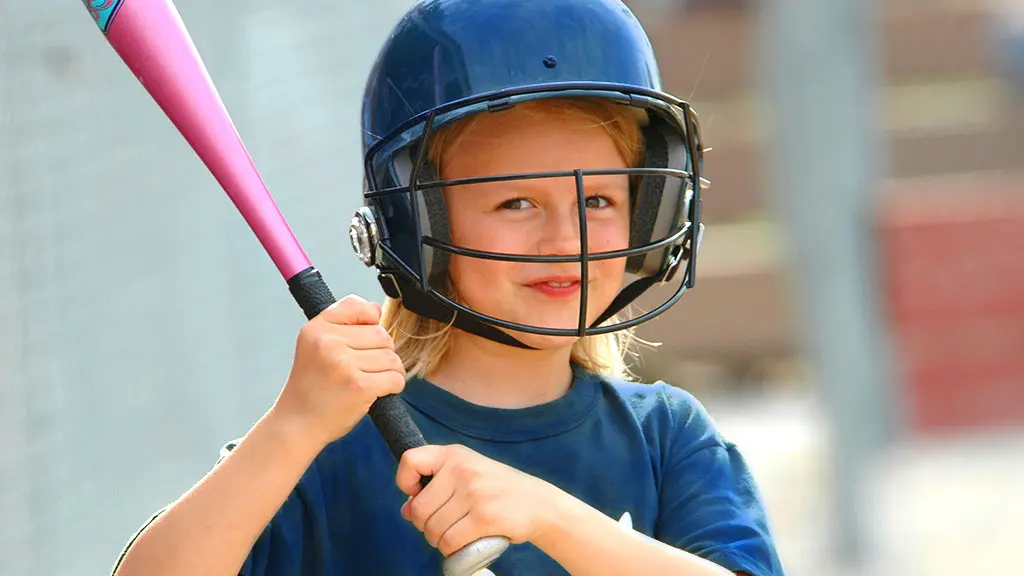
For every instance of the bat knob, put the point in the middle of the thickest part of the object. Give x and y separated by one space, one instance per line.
476 557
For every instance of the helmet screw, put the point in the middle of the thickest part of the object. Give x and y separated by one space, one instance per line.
550 62
363 234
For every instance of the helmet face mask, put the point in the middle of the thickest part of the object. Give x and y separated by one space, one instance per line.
403 227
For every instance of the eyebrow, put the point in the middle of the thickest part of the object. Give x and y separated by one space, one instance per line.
510 183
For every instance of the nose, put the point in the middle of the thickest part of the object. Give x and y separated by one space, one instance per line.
560 233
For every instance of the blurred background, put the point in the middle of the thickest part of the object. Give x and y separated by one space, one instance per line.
857 325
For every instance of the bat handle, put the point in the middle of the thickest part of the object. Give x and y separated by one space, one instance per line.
396 427
388 412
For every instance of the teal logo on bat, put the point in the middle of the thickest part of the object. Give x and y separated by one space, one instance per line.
103 11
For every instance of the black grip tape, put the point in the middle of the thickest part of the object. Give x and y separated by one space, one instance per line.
396 427
388 413
311 292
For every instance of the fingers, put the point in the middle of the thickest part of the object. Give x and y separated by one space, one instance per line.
458 535
356 321
416 463
453 510
365 337
372 361
434 509
352 310
352 336
426 504
382 383
441 520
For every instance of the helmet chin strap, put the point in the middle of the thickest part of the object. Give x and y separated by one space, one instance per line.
396 286
626 296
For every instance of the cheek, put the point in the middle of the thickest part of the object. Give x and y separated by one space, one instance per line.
477 232
606 237
476 279
476 274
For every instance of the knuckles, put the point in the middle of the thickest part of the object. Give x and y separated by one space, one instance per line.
352 307
408 461
448 543
418 513
309 333
320 342
464 467
380 332
396 381
350 302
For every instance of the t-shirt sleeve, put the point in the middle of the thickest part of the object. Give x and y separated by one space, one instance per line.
710 504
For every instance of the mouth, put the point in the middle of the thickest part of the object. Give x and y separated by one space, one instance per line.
556 286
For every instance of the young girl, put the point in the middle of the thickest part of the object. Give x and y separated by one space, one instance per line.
526 181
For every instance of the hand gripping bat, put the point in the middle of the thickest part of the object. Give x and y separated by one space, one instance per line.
151 39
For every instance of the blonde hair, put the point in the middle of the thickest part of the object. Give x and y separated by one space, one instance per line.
422 343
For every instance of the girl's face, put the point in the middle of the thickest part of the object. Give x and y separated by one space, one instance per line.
536 217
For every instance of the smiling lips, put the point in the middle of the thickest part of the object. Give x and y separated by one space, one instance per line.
556 286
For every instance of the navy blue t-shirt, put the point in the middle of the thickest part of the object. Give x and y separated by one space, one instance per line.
647 449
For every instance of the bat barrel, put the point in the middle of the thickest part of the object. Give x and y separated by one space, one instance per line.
153 42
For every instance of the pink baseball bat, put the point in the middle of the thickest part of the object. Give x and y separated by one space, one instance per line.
152 40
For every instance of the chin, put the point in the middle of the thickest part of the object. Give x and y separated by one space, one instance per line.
542 342
558 316
546 342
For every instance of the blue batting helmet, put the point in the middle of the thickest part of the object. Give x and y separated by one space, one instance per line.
446 60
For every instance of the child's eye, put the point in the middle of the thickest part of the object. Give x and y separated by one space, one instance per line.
598 202
515 204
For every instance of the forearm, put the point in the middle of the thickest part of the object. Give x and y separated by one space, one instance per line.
588 543
212 527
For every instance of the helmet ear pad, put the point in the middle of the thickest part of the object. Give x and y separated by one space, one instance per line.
407 246
660 203
433 214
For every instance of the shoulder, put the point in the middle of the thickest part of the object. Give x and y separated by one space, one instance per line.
669 412
653 397
709 502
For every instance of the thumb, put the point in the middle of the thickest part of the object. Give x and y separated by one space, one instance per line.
416 463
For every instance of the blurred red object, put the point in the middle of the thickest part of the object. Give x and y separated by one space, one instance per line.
952 251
